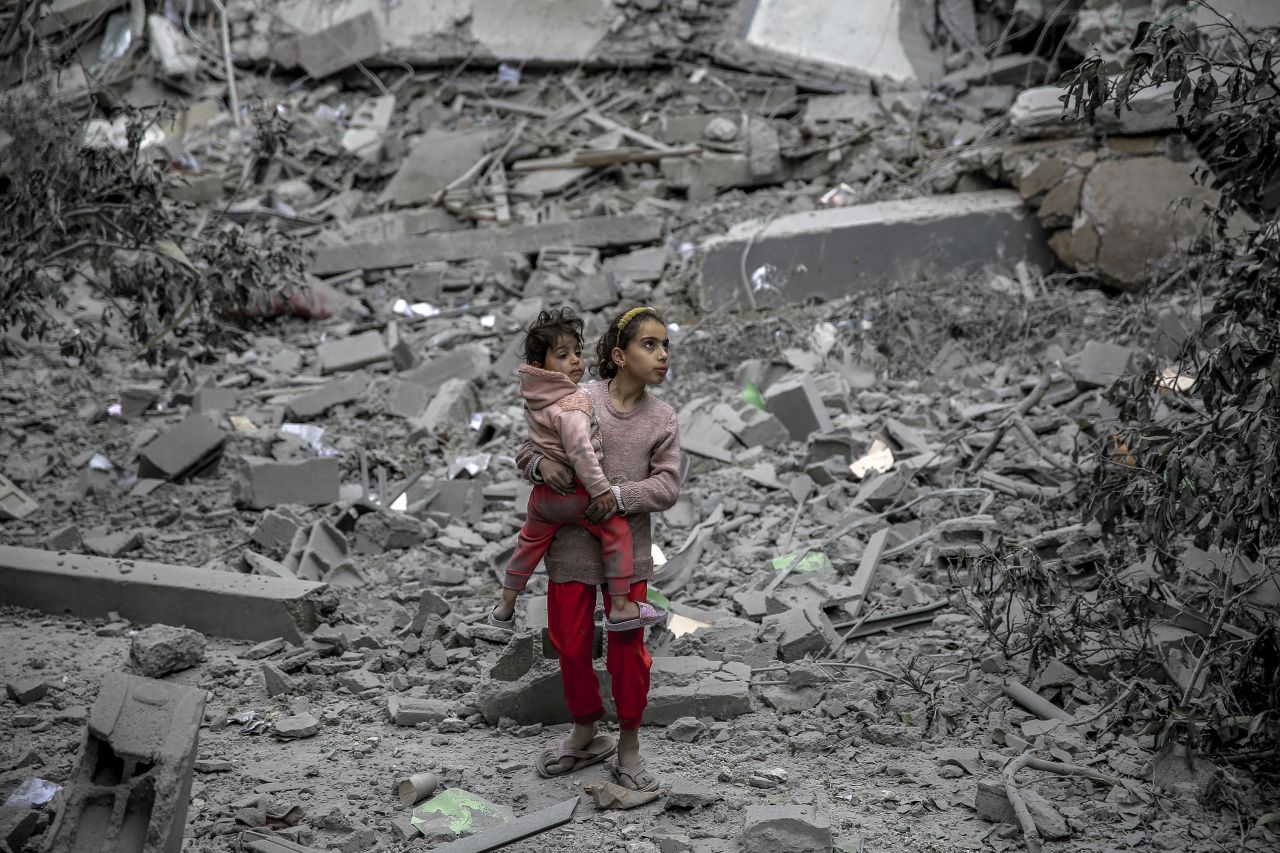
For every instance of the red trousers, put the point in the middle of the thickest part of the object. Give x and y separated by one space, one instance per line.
548 511
571 622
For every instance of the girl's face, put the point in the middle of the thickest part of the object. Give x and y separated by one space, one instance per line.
565 356
647 357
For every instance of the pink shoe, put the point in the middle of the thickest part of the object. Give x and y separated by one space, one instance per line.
649 615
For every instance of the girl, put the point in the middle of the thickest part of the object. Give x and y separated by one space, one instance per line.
641 444
562 428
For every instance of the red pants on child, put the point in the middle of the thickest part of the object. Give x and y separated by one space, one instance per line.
548 512
571 610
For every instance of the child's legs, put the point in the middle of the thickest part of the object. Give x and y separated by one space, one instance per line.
547 511
571 610
629 663
616 552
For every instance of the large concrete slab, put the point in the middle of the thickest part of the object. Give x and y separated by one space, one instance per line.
222 604
882 39
828 253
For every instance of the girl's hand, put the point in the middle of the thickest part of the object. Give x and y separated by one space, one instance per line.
602 508
555 475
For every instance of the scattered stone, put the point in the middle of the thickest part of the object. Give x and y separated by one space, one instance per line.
785 829
686 730
296 726
159 650
24 691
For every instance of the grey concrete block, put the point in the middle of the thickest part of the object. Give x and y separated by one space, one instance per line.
276 528
801 631
220 604
830 252
276 681
1100 363
210 400
411 710
785 829
158 650
452 406
335 393
182 450
316 551
132 779
260 482
343 354
297 726
24 691
798 405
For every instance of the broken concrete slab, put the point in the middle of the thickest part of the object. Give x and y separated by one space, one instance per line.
260 482
1100 363
992 803
517 31
785 829
593 231
801 631
437 158
182 450
412 710
24 691
132 779
1038 113
158 650
882 40
797 404
827 253
340 355
335 393
335 48
220 604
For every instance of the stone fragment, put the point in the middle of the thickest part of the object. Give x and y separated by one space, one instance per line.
276 681
260 482
686 730
798 405
359 680
452 405
159 650
182 450
334 393
683 794
992 803
801 631
1101 363
296 726
113 544
17 824
132 779
265 649
785 829
340 355
276 528
66 538
208 401
24 691
411 710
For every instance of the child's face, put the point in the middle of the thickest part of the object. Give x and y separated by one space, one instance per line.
565 356
648 355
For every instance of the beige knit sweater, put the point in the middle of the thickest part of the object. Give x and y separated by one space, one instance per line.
642 457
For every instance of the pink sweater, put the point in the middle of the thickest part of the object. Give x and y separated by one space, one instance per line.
642 455
560 419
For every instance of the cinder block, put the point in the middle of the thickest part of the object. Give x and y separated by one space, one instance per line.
15 504
801 631
260 482
1100 364
798 405
182 450
132 781
761 429
468 361
343 354
407 399
276 528
219 604
208 400
316 551
453 404
335 393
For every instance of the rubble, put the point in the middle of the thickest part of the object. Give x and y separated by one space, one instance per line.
873 237
159 650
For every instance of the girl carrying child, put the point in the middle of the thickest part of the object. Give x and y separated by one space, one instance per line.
640 439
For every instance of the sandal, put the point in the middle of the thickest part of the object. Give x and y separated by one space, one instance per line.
600 748
502 624
632 777
649 615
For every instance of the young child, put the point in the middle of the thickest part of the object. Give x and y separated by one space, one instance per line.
640 434
562 427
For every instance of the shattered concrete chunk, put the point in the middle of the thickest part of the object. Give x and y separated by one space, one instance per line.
296 726
259 482
182 450
785 829
335 393
24 691
159 650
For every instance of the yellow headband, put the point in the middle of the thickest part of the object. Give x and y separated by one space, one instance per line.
631 315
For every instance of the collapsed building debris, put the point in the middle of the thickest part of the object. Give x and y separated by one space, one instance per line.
342 476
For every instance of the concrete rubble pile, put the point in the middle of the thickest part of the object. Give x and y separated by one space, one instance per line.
301 537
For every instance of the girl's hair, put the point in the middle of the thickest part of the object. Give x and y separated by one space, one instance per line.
550 327
621 338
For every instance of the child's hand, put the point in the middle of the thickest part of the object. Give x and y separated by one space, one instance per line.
558 477
602 508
